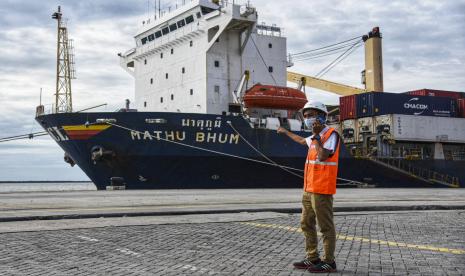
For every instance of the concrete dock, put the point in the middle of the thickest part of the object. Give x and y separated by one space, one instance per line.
227 232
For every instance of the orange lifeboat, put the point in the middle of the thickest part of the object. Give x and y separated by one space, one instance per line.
274 97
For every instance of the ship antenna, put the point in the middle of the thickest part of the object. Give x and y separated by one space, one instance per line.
148 9
65 66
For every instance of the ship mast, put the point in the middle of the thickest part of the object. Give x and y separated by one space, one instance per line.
65 67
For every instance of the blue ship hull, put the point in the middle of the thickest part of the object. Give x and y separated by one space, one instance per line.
177 150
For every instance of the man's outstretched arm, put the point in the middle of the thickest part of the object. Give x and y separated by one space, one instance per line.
294 137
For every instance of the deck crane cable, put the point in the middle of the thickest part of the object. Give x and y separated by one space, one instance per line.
274 164
342 59
329 46
319 55
327 51
264 62
337 60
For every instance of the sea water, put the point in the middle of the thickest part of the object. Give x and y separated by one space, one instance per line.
11 187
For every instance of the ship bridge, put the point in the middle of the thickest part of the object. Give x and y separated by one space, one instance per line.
191 59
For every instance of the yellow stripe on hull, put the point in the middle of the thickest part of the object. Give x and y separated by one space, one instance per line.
84 127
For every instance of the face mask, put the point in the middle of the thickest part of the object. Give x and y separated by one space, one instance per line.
309 122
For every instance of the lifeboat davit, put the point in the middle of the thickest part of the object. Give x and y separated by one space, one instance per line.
274 97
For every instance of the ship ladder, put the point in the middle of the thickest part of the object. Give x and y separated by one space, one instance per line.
426 175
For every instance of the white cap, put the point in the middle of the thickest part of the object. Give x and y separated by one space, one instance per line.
316 105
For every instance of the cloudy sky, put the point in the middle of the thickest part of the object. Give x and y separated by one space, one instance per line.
423 47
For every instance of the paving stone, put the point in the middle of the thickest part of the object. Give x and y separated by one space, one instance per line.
236 248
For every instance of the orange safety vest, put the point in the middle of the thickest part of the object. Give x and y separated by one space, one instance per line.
320 176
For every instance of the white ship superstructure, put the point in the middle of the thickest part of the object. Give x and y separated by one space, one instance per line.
191 59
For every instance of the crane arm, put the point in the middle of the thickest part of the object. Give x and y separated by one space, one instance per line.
337 88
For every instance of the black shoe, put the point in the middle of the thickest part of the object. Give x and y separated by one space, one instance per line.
323 267
306 263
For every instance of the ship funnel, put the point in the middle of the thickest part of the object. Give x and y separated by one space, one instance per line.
373 74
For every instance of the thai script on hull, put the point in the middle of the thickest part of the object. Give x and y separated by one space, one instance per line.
208 124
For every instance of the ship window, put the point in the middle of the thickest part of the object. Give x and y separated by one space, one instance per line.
217 63
173 27
270 45
189 19
199 15
183 70
158 34
161 55
172 51
144 40
165 31
192 92
145 104
191 43
270 69
151 81
206 10
217 89
151 37
166 75
161 99
181 23
145 61
172 97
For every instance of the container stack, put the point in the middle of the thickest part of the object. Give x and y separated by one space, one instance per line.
437 93
461 108
422 115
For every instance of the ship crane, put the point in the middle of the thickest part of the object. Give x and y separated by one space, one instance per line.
372 76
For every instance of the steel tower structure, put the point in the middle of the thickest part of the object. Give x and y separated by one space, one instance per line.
65 67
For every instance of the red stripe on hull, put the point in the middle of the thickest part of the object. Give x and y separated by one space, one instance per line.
81 134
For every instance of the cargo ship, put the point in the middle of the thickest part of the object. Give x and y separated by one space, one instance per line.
211 89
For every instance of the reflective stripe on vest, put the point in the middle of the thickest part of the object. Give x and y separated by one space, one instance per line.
321 163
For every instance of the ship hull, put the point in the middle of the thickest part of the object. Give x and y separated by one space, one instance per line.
174 150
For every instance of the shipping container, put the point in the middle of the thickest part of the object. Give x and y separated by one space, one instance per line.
382 124
436 93
422 128
364 126
348 131
380 103
461 108
347 107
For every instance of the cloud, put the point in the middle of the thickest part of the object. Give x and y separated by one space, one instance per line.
397 65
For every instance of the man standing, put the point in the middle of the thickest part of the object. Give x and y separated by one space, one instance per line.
319 187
